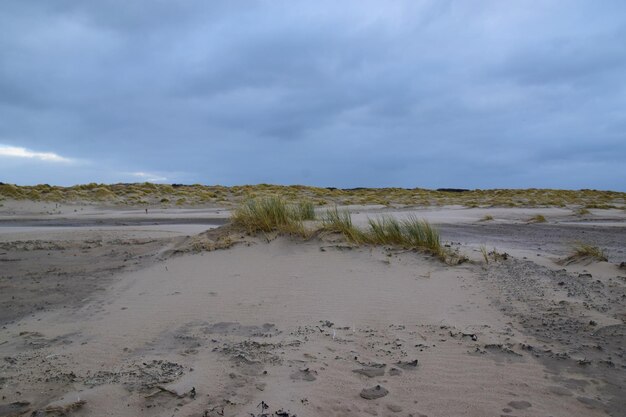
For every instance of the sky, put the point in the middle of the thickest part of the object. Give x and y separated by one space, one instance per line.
418 93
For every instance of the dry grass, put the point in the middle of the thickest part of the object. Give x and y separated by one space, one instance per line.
337 221
582 251
485 253
269 214
600 206
493 255
487 218
539 218
410 233
585 253
386 231
305 210
147 193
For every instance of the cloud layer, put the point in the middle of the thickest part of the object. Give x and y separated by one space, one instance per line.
17 152
356 93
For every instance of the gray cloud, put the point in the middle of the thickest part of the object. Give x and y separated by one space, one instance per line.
415 93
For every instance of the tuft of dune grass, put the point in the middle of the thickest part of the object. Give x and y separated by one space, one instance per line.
268 214
273 214
341 222
539 218
485 253
385 231
305 210
582 250
420 234
411 233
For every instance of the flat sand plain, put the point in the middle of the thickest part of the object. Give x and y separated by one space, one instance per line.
125 313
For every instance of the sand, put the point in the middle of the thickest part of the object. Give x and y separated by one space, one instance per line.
135 319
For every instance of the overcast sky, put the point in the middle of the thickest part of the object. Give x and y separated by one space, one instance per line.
474 94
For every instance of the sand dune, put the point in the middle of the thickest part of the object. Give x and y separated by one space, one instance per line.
133 321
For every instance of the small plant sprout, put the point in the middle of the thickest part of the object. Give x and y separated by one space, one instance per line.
485 253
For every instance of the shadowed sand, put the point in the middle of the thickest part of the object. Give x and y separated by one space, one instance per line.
156 320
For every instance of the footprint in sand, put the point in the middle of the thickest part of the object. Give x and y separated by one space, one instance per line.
394 408
370 371
408 365
395 372
303 375
520 405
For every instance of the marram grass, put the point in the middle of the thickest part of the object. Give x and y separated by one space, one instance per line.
273 214
583 250
341 222
129 194
268 214
305 210
409 233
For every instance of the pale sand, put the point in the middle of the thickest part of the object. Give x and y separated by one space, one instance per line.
288 322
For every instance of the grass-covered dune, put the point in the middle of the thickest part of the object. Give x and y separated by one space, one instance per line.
190 195
274 214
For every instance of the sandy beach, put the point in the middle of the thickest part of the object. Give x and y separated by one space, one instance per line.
123 312
312 208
